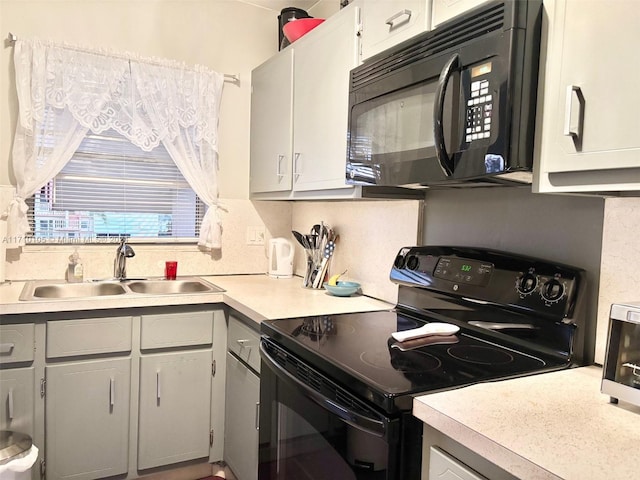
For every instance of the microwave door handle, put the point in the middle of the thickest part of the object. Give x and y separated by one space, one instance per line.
438 115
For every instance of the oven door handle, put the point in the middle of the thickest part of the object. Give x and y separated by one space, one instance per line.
438 115
368 425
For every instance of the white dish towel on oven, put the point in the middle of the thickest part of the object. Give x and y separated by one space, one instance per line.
435 328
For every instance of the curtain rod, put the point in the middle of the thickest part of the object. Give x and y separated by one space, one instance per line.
228 77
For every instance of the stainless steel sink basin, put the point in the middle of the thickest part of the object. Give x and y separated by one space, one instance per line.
50 290
58 290
172 287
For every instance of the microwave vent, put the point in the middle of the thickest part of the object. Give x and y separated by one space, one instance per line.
451 35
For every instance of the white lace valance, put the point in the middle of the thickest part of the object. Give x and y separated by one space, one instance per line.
104 90
63 88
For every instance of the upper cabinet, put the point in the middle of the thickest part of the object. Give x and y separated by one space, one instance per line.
386 23
272 124
299 109
590 135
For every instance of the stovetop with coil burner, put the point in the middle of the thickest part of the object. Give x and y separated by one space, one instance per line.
517 316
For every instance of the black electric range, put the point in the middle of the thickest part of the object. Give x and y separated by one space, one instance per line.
517 315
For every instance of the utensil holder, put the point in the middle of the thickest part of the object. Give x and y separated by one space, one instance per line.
317 268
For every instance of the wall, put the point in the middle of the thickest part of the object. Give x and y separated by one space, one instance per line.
565 229
225 35
371 234
620 268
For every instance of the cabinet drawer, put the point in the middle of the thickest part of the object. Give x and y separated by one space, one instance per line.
16 343
244 342
176 330
385 24
71 338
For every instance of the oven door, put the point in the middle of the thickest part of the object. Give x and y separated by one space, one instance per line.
312 428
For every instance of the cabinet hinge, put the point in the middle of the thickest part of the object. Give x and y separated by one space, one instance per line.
213 368
43 387
43 468
211 438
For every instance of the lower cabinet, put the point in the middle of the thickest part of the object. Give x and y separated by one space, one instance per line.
242 401
17 375
87 419
16 396
174 408
123 394
445 467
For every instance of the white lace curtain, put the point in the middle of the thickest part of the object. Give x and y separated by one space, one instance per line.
148 101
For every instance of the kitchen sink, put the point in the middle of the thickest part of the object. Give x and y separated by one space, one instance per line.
49 290
58 290
172 287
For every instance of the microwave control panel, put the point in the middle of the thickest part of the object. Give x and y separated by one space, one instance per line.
478 83
479 111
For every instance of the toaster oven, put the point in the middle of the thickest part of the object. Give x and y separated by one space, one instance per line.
621 371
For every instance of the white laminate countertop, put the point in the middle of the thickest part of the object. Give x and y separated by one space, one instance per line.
549 426
259 297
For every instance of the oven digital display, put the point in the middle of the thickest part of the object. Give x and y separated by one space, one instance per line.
463 270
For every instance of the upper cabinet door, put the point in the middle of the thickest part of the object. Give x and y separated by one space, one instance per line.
590 131
388 22
444 10
271 128
323 60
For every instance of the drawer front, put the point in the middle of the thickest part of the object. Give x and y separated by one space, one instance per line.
16 343
176 330
72 338
244 342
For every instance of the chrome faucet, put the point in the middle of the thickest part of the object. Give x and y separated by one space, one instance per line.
123 252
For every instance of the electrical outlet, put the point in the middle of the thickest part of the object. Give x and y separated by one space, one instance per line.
255 235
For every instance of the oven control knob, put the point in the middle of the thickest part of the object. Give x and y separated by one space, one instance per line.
527 284
399 262
552 291
413 262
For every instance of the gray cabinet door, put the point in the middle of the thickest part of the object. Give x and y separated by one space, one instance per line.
174 408
16 400
271 127
323 60
87 419
241 413
590 135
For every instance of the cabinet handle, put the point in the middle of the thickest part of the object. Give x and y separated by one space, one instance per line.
393 18
6 347
569 131
296 164
279 173
158 386
11 404
257 415
243 342
112 392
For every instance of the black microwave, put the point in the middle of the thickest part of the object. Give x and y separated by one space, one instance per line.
452 106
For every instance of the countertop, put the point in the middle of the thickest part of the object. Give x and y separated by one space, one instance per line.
548 426
259 297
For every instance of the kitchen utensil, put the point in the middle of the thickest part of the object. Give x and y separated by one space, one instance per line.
434 328
322 271
294 29
302 239
342 289
321 242
280 258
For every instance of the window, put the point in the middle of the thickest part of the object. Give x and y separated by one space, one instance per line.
112 188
